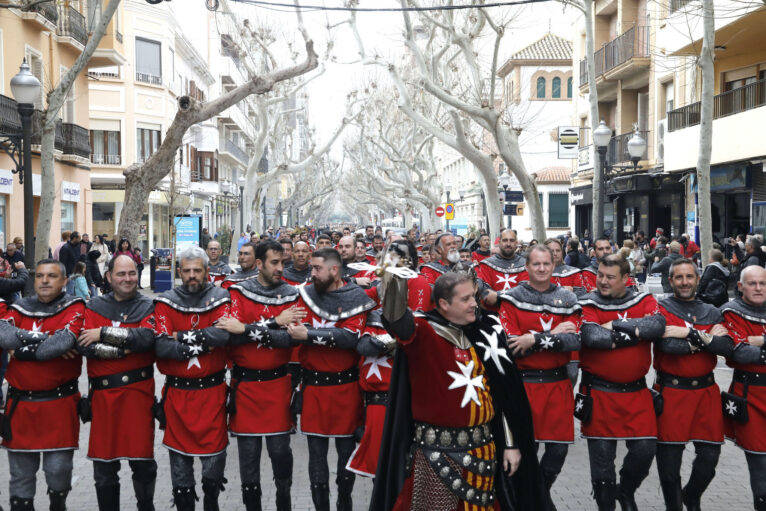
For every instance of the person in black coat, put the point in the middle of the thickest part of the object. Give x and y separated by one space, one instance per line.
10 287
753 254
70 252
663 266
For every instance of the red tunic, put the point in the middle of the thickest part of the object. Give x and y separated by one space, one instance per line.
431 273
749 436
333 410
588 275
418 294
620 415
501 279
688 415
263 408
123 423
45 425
196 419
568 277
552 403
477 257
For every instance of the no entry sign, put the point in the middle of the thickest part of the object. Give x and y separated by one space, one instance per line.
439 211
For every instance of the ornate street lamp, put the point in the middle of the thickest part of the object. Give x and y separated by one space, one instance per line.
505 182
241 182
601 137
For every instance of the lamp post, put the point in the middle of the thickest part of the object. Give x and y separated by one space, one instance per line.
447 190
26 89
241 183
505 182
601 137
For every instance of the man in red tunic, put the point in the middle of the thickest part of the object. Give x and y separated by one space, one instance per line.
483 251
332 401
118 341
218 270
41 410
419 291
746 321
191 353
684 360
504 270
261 390
614 403
601 248
446 248
247 268
542 321
298 273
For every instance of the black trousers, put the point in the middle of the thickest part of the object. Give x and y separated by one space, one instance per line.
319 471
278 447
669 458
553 458
106 473
635 466
756 464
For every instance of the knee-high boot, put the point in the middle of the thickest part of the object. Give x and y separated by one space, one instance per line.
284 502
251 496
605 493
108 497
320 494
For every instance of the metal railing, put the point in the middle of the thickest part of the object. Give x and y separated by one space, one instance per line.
103 74
676 5
72 24
147 78
105 159
598 59
47 9
617 151
632 43
583 72
10 121
76 140
752 95
237 151
37 131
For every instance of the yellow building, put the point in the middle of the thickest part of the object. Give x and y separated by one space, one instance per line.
50 36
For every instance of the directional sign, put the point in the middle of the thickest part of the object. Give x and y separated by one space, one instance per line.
449 208
569 141
513 210
511 196
439 211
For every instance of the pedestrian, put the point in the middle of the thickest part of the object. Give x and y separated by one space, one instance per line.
80 282
12 285
103 250
69 255
85 244
93 272
714 284
205 238
139 259
663 266
13 254
64 239
125 248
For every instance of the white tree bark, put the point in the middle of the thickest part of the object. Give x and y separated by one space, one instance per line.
598 174
706 129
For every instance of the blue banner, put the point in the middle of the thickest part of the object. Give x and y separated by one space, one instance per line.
188 229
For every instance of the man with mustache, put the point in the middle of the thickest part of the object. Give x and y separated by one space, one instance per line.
299 272
191 353
684 360
378 244
346 248
332 400
217 270
41 408
504 270
448 257
261 390
247 267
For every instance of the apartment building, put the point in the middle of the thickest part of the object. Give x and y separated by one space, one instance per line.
50 36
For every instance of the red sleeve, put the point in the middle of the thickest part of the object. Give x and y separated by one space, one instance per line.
221 311
575 318
733 324
509 319
161 317
236 307
76 321
651 307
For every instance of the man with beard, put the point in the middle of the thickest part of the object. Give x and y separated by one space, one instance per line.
684 360
360 251
542 322
602 248
336 236
190 352
287 254
619 327
458 423
247 267
348 255
483 251
299 272
369 233
504 270
745 421
378 245
41 409
217 270
118 341
323 241
332 400
465 256
261 389
448 256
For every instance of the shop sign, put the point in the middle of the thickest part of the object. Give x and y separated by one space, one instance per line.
569 140
6 182
70 192
728 177
581 196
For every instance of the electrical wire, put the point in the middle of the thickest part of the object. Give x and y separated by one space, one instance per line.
262 3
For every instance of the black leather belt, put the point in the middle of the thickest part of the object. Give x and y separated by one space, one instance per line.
67 389
322 379
544 375
241 374
206 382
594 382
679 382
376 398
443 438
112 381
749 378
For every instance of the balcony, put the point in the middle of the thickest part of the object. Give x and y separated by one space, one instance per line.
71 26
617 151
728 103
233 150
627 56
10 121
76 140
37 131
110 51
148 78
105 159
44 13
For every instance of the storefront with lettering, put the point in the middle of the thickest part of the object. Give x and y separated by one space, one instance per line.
733 188
581 198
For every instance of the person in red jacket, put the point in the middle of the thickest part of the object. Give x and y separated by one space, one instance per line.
191 353
684 360
41 410
506 269
261 389
746 321
118 341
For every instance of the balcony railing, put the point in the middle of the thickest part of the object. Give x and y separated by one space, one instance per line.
234 149
37 131
72 24
148 78
583 72
47 9
617 151
105 159
76 140
633 43
752 95
676 5
10 121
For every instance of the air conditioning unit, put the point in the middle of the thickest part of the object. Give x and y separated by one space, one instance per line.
662 127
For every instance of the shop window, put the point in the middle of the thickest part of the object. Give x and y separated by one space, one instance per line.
556 88
67 216
541 87
558 210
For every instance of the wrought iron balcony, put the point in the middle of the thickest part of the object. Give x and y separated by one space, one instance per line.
46 9
631 44
105 159
148 78
72 24
236 151
37 131
76 140
10 121
741 99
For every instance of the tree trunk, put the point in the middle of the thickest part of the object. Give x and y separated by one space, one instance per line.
706 129
598 175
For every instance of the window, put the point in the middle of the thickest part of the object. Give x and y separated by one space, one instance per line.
35 61
105 147
148 62
541 87
556 88
67 216
569 87
205 168
147 143
67 111
558 210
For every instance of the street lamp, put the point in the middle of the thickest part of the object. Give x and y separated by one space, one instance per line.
505 182
601 137
241 182
447 190
26 89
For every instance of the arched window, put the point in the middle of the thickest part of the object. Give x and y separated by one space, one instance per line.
556 88
569 87
541 87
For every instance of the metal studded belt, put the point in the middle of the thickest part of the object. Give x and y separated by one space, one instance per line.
112 381
451 439
679 382
544 375
319 378
594 382
749 378
206 382
67 389
376 398
241 374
